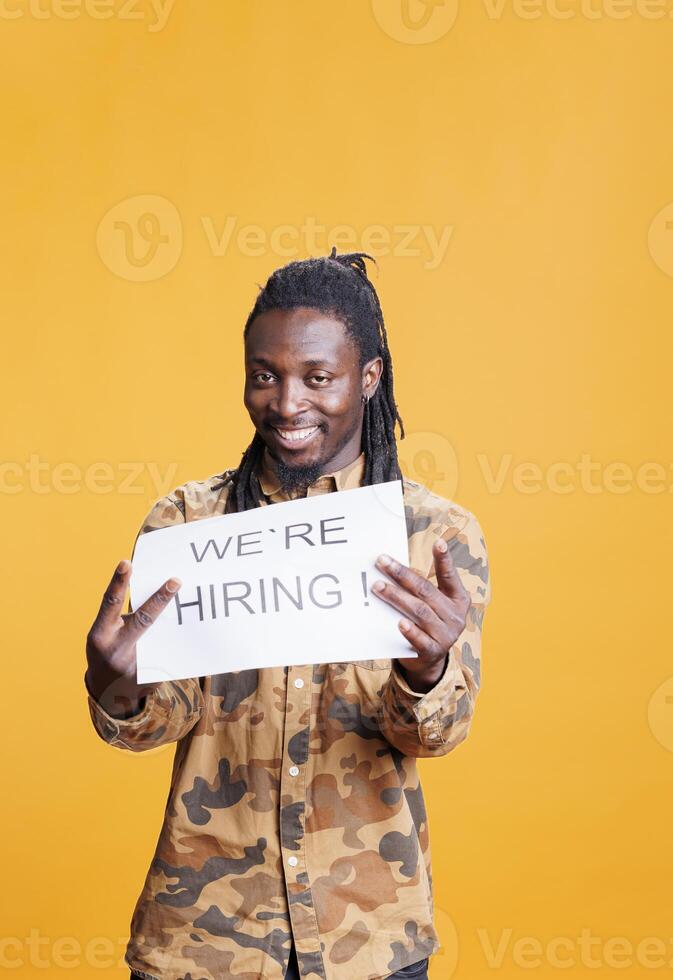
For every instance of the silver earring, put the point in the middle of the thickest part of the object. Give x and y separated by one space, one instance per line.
364 399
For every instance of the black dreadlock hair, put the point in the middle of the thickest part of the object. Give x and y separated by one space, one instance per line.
337 285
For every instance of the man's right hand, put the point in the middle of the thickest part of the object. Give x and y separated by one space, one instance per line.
111 644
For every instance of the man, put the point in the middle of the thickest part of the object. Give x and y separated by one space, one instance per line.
295 838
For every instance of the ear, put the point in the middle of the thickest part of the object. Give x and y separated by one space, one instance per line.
371 376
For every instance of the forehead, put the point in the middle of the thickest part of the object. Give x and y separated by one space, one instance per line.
292 337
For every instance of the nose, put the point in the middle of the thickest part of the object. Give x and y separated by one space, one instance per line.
289 399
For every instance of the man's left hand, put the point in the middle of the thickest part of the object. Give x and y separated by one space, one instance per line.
434 615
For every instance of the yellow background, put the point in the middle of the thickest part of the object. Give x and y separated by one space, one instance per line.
542 336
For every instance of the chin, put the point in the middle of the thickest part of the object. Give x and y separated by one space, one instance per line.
299 460
298 456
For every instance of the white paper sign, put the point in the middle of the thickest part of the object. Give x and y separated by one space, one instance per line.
289 583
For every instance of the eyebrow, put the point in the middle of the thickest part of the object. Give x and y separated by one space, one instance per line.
311 362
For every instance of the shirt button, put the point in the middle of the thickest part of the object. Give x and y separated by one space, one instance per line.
294 770
298 682
293 861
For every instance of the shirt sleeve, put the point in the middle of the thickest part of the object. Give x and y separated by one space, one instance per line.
435 722
172 708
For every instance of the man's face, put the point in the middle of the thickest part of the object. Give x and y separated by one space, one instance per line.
303 388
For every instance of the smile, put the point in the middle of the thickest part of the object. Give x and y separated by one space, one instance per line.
296 435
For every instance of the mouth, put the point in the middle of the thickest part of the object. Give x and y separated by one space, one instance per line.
296 438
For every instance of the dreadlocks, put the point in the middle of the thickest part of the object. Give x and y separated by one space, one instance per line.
338 286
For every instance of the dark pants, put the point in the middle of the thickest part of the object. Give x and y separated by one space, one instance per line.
417 971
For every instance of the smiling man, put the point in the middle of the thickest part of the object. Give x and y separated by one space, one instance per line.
295 840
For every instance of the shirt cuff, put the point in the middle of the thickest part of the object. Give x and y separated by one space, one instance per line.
429 707
108 726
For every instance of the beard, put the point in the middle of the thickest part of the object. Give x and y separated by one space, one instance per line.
293 478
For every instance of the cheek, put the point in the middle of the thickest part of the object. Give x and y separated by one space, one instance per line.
254 393
254 399
340 401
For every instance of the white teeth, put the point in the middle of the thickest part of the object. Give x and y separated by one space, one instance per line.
296 435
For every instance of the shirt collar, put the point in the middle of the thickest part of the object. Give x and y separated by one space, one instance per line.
347 478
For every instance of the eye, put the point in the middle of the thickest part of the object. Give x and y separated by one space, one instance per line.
262 376
321 379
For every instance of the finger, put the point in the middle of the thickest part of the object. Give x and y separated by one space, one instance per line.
448 579
113 597
415 583
145 615
420 641
415 608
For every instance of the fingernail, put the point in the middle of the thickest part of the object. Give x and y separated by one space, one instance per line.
173 585
378 586
441 545
405 624
385 560
123 566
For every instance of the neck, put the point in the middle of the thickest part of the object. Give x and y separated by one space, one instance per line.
348 452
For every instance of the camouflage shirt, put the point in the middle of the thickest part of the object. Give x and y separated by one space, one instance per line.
295 810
